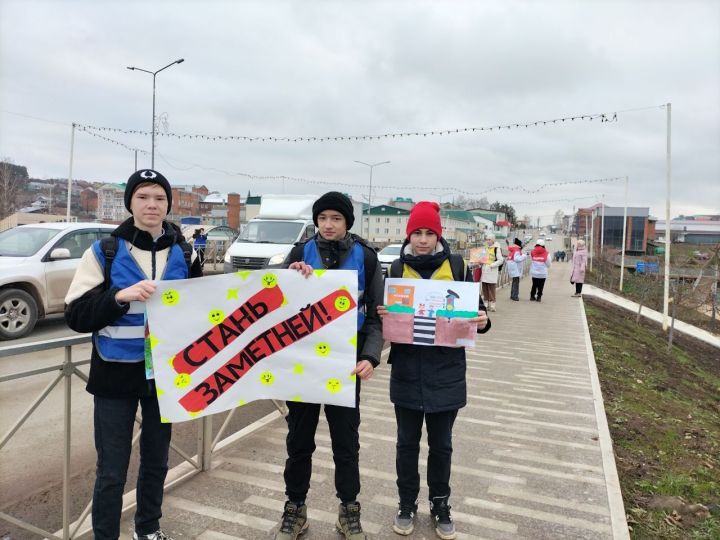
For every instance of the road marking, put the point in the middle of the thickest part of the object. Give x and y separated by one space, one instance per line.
539 514
551 425
209 534
511 397
267 467
537 458
542 472
544 440
231 516
243 478
551 411
511 492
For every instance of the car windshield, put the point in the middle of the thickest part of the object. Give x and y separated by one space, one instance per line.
24 241
390 250
271 232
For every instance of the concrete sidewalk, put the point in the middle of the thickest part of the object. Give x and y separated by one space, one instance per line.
532 459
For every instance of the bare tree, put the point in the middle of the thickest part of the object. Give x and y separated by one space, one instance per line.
12 178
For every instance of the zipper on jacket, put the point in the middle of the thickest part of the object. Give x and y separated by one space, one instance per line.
153 260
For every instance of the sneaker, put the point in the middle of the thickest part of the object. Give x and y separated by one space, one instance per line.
538 299
492 306
404 522
157 535
577 295
440 512
348 523
294 521
532 299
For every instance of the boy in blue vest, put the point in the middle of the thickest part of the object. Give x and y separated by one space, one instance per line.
106 297
333 247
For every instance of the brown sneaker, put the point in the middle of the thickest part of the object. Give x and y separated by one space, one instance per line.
294 521
348 523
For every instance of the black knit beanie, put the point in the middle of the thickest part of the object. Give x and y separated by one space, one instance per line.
144 176
334 200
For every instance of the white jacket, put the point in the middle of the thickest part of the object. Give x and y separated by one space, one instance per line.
515 264
490 272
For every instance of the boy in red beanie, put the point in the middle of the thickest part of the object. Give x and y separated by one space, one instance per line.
427 383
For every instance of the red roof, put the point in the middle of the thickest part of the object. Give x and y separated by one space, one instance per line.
503 223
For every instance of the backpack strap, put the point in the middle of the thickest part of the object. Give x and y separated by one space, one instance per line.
187 254
109 247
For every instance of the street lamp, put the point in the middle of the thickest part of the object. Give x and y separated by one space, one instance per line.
154 74
370 165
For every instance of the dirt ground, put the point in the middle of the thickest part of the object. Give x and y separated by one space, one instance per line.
663 409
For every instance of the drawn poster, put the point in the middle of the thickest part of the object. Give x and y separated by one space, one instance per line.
479 255
219 342
430 312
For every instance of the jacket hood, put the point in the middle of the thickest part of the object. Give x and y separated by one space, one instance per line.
538 251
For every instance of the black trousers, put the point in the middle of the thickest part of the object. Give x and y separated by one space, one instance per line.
515 288
409 430
538 284
578 288
344 424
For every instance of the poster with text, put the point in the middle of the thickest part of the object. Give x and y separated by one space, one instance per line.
221 341
430 312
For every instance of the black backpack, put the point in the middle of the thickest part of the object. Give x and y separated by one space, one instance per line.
457 266
109 247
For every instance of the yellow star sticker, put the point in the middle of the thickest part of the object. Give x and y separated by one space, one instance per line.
319 272
353 340
170 361
284 302
159 391
232 293
164 420
153 341
241 402
352 377
344 288
243 274
299 369
193 414
296 398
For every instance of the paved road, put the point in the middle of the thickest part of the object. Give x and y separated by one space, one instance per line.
532 456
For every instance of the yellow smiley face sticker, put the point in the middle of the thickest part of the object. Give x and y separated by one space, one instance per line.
269 281
170 297
322 349
182 380
333 386
216 316
267 378
342 303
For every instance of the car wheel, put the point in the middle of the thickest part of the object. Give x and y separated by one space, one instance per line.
18 313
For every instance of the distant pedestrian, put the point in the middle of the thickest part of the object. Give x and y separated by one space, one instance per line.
562 256
515 261
539 269
579 260
491 271
199 243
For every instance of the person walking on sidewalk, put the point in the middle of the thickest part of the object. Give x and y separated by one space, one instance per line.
200 243
107 297
515 261
427 383
579 260
491 271
334 248
538 269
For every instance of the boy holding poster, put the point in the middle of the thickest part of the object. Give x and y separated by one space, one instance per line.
333 248
107 297
427 383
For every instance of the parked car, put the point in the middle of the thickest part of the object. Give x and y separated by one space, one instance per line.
37 264
387 255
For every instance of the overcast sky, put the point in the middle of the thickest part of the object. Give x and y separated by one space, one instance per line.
299 69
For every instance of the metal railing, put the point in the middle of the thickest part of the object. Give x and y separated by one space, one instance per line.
207 446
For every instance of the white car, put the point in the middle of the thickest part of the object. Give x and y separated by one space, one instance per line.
548 238
37 264
387 255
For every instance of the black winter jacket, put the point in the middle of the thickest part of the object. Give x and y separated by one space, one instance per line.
426 378
96 307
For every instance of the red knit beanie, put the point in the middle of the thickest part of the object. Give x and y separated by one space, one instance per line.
425 215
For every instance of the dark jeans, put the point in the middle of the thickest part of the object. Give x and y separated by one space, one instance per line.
578 288
515 289
439 434
538 284
114 421
344 423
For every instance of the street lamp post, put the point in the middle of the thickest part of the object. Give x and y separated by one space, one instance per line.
371 166
154 74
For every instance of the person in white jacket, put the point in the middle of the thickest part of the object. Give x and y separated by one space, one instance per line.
539 269
491 271
515 260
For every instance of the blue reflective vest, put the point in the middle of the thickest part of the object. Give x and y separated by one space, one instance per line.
354 261
124 339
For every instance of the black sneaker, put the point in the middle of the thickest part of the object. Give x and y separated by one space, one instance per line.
440 512
404 523
532 299
157 535
294 521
